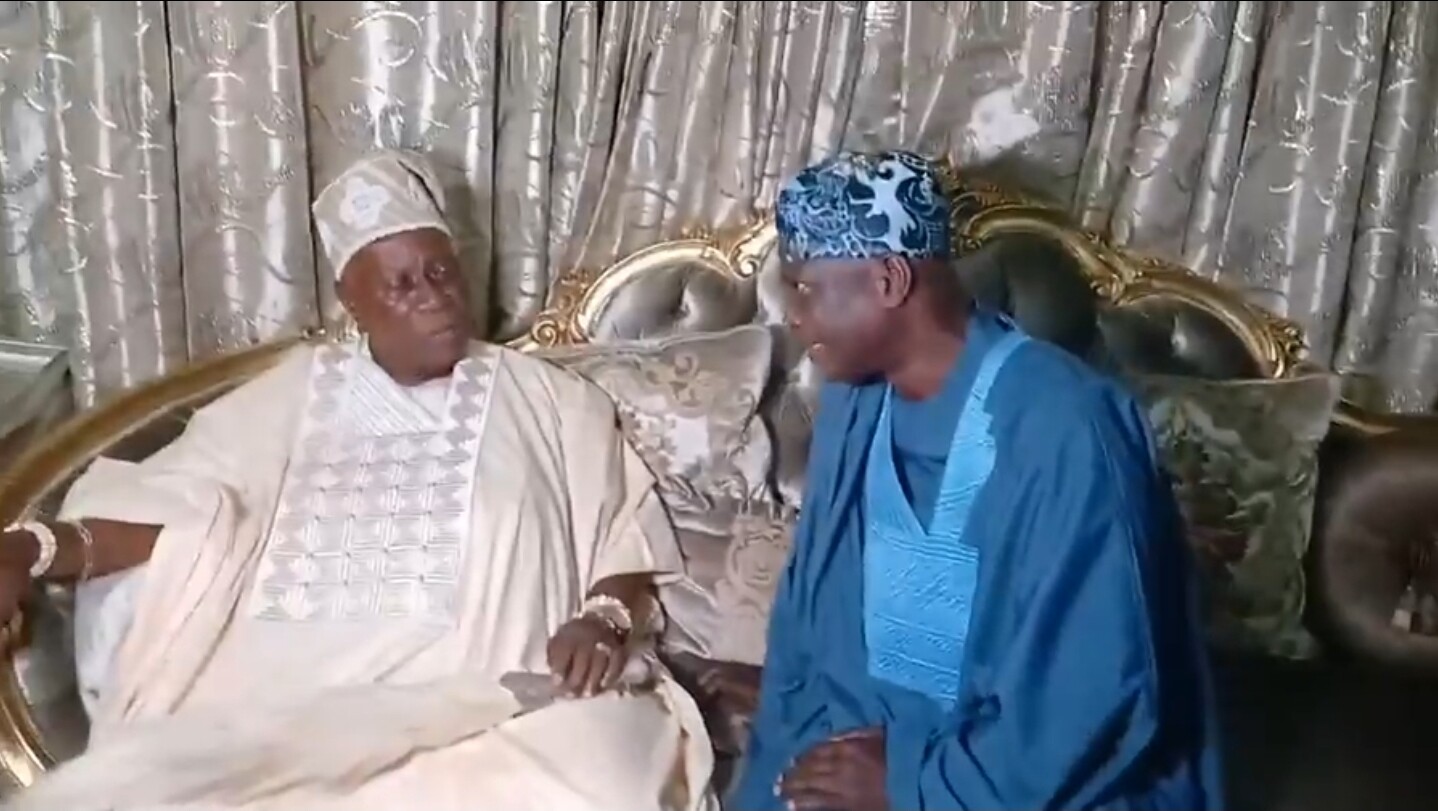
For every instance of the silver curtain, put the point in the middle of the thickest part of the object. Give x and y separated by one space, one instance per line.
156 159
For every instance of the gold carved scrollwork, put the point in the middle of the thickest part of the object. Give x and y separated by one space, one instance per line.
983 211
556 325
581 297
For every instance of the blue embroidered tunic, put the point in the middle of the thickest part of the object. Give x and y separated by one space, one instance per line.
919 571
997 578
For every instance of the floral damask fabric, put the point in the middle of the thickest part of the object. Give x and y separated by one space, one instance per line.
690 604
744 596
721 609
690 406
1243 456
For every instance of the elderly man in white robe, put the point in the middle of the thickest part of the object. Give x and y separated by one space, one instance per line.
411 571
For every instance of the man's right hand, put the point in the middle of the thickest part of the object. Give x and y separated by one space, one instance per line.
732 686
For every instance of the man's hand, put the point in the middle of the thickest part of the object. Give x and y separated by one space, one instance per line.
14 588
15 582
845 773
587 656
732 687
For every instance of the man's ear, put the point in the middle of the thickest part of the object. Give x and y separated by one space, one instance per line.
344 293
896 280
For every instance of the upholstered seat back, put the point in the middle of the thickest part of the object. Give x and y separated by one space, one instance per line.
1060 283
1035 279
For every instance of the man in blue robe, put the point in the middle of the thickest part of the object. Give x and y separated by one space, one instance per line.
989 604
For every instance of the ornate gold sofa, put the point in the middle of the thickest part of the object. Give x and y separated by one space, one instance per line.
1153 314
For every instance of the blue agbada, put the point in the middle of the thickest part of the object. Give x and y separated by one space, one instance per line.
995 576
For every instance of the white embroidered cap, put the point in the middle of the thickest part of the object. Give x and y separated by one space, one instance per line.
381 194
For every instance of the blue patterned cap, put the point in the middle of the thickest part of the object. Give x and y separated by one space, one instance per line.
864 206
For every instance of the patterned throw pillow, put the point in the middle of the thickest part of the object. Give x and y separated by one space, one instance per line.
690 605
720 610
744 595
690 406
1244 459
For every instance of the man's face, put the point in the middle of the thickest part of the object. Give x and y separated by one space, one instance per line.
406 293
838 310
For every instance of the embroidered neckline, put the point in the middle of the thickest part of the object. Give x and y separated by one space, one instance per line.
920 583
375 508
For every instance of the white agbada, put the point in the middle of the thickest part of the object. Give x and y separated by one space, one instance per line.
346 569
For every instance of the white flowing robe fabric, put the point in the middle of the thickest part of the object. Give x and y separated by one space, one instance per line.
268 669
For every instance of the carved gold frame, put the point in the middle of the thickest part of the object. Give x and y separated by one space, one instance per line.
577 305
580 299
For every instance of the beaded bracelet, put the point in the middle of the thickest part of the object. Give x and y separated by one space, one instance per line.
611 611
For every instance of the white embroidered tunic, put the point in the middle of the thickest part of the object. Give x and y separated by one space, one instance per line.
369 561
374 514
334 541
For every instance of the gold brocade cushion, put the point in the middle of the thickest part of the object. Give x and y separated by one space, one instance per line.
690 406
756 555
721 610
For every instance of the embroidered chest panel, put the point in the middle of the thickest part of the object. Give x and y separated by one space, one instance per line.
375 509
920 582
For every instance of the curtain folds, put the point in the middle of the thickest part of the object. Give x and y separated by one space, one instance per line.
157 159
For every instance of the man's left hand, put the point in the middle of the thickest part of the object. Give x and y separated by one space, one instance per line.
845 773
587 656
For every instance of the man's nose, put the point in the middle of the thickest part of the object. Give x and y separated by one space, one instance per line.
428 293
